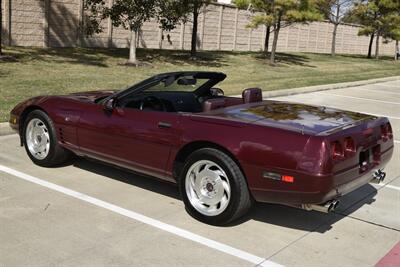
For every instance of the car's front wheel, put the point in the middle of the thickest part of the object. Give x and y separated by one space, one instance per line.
40 140
213 187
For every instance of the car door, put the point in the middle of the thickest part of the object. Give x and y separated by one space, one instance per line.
137 139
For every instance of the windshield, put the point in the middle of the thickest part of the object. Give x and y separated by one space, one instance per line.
178 83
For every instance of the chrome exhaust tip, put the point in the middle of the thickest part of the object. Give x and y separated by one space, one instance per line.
333 205
329 206
379 176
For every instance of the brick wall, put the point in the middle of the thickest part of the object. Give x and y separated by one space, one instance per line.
55 23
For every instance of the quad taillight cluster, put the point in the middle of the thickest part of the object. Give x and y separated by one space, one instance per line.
343 149
347 147
386 132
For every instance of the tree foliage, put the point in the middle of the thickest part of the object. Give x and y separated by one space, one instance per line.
130 14
279 13
335 11
378 18
172 12
93 15
1 27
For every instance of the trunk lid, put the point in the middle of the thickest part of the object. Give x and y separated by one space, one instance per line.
314 120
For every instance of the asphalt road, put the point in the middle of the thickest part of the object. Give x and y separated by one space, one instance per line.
88 214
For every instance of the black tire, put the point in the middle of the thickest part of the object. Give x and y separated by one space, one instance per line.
240 199
56 154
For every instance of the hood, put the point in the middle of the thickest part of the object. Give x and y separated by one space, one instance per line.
90 95
291 116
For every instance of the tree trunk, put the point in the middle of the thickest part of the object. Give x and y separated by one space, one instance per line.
266 43
194 32
1 27
371 42
336 23
132 48
277 28
377 46
333 48
397 52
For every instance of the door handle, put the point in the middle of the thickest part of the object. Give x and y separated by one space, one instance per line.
164 125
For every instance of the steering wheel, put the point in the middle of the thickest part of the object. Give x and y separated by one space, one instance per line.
152 102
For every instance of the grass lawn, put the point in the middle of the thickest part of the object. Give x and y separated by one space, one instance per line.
60 71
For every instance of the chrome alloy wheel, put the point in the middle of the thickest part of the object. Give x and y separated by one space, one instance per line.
37 138
207 188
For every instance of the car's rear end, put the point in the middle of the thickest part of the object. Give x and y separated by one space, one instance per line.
308 156
349 157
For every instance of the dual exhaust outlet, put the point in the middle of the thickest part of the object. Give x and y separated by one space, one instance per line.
329 206
379 176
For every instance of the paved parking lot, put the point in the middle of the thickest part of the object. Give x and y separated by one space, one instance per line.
89 214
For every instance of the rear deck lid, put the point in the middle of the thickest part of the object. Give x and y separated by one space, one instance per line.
295 117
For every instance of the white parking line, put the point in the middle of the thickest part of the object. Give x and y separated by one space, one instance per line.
379 91
144 219
359 98
392 187
389 85
388 186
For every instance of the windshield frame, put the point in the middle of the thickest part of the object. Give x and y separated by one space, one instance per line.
214 78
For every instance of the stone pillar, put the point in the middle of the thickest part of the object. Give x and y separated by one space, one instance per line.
221 12
235 29
46 27
203 26
182 36
160 37
109 26
7 22
249 41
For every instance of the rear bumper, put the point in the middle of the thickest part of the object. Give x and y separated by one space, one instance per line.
316 189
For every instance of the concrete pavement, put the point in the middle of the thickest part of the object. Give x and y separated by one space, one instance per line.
40 226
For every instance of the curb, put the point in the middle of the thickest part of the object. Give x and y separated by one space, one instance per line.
310 89
6 130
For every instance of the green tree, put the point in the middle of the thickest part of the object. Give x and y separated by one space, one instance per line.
131 14
334 11
1 27
377 18
392 28
171 12
280 13
246 4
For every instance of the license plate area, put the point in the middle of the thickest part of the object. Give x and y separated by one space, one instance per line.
369 158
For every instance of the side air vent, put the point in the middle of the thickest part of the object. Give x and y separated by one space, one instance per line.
61 134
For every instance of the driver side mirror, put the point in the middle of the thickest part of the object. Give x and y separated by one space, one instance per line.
217 92
109 104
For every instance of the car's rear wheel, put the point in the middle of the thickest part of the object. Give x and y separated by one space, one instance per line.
213 187
40 140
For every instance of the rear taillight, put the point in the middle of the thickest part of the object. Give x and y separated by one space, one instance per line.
389 130
337 150
386 131
349 146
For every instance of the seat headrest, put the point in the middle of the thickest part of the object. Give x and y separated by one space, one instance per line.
213 103
251 95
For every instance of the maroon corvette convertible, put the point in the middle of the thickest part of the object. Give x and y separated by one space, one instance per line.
223 152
